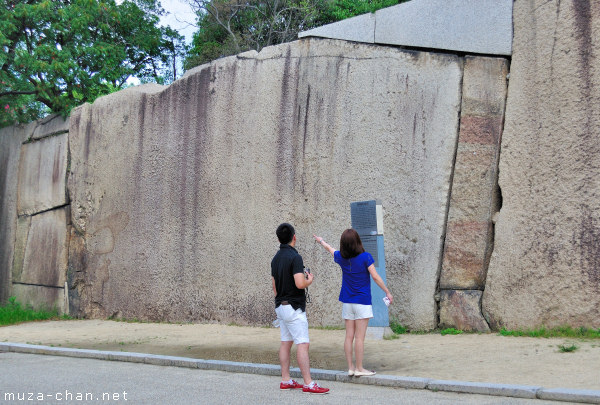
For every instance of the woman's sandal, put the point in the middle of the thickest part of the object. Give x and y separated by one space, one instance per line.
363 373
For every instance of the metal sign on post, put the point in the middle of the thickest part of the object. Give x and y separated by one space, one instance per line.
367 220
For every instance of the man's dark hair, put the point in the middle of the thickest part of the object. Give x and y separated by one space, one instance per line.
285 232
350 244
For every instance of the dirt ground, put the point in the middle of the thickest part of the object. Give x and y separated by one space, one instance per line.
467 357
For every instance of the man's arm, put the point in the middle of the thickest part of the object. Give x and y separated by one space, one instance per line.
303 281
274 288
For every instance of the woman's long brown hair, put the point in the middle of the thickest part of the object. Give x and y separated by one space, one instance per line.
350 244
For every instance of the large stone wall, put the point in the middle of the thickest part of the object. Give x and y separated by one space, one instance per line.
176 192
545 268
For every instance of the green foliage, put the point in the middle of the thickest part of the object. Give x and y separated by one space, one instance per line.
13 312
397 328
342 9
228 27
58 54
451 331
567 349
562 331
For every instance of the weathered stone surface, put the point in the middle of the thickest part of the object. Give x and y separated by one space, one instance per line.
42 175
176 192
484 87
45 258
22 234
474 186
40 297
474 199
475 26
464 264
51 125
10 145
461 309
545 268
360 29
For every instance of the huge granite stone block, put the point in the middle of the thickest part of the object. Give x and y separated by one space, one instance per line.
42 175
473 26
475 197
545 268
45 257
177 191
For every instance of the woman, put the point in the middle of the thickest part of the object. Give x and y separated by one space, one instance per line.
355 294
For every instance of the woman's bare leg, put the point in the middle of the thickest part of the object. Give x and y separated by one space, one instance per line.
359 341
348 342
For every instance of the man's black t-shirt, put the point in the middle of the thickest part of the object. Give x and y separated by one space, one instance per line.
284 265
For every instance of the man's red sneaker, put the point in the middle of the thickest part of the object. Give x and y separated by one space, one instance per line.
289 386
315 389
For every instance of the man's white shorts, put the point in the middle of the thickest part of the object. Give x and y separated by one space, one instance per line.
293 324
356 311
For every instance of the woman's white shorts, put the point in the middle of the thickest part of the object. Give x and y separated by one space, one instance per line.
356 311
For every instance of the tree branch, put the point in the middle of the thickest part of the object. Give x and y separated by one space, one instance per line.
16 93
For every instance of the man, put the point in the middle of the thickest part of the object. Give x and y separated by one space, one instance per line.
289 283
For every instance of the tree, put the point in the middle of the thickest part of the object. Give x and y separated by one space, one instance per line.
227 27
341 9
58 54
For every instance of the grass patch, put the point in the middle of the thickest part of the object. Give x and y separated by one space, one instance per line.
136 320
400 329
420 332
129 320
334 327
451 331
397 328
561 332
567 349
391 337
13 312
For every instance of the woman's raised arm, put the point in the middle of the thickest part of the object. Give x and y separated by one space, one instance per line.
321 242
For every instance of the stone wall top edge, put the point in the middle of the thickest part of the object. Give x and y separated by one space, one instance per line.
133 92
298 48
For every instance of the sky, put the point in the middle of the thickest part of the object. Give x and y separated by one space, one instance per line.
181 18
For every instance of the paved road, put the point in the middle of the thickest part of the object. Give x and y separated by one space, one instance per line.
66 380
